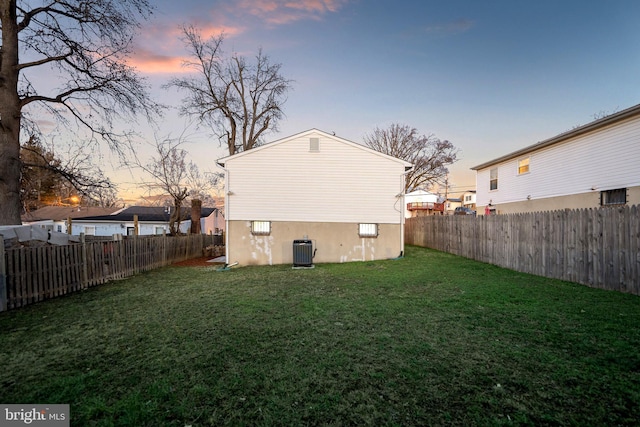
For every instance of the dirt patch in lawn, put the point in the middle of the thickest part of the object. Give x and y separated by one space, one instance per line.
197 262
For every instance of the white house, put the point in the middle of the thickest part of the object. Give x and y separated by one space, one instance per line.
451 204
589 166
343 197
55 218
151 220
422 202
469 199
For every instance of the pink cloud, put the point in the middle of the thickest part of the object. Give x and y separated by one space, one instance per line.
321 6
279 12
160 48
147 61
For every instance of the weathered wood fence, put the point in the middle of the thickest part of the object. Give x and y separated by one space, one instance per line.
32 274
595 247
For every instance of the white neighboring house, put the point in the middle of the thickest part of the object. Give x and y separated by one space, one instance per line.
152 220
589 166
421 202
342 197
55 218
469 199
451 204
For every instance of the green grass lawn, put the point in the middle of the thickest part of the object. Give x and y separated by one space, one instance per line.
430 339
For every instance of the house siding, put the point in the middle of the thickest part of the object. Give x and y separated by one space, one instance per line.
313 186
333 242
338 183
566 172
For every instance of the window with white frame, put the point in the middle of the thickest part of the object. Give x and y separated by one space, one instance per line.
493 179
261 228
368 230
89 230
523 166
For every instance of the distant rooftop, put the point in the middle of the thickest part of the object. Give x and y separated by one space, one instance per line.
60 213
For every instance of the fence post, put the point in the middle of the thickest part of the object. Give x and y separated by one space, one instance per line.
3 277
85 272
164 247
135 249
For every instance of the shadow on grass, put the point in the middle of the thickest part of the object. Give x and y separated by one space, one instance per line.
430 339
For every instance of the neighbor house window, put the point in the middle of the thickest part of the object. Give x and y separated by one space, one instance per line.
261 228
493 179
368 230
613 197
523 166
90 230
159 231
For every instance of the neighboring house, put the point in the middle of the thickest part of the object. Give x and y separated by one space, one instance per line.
589 166
55 218
344 197
451 204
469 199
152 220
421 203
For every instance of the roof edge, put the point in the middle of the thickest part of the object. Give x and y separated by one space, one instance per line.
580 130
221 161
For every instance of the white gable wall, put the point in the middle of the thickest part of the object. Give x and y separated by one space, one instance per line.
607 158
338 183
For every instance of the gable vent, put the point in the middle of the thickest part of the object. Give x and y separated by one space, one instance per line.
314 144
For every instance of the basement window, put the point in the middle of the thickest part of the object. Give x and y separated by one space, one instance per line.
261 228
368 230
613 197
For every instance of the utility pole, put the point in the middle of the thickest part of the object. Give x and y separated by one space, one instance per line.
446 187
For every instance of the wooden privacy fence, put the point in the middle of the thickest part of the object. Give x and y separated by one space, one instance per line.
32 274
594 247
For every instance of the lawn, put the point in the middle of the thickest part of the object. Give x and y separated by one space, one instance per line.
429 339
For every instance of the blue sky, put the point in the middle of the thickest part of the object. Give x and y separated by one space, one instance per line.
490 76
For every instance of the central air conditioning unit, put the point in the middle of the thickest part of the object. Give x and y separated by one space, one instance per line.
302 253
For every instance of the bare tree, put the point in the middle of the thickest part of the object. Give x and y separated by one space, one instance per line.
81 47
201 185
172 174
238 100
46 178
429 155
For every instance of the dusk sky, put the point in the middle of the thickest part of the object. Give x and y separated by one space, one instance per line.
490 76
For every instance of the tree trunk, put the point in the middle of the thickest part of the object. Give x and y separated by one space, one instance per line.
196 213
10 107
175 218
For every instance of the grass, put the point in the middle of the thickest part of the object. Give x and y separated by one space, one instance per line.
430 339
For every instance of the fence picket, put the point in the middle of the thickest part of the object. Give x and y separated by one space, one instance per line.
595 247
32 274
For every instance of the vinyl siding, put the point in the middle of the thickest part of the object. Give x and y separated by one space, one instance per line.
607 158
338 183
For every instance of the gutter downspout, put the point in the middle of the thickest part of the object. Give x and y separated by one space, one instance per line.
226 212
401 195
